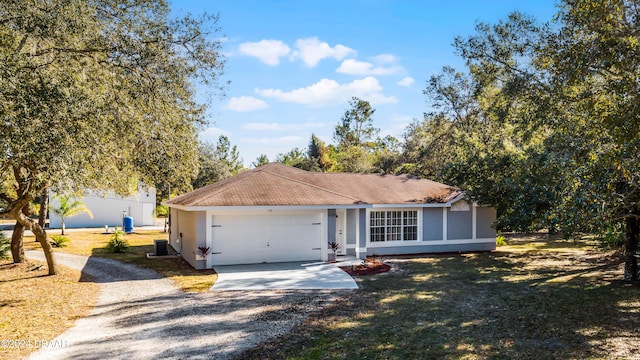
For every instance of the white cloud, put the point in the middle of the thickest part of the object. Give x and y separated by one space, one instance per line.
276 140
311 51
397 126
406 81
246 104
355 67
281 127
214 132
385 59
268 51
330 92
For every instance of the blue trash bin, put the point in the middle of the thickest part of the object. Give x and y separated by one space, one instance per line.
127 224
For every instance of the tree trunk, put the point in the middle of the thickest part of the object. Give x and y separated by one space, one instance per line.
37 230
631 248
17 245
62 222
17 248
44 202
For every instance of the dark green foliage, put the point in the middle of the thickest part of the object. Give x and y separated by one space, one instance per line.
229 155
356 127
59 241
99 95
613 236
260 160
162 211
213 167
117 243
546 126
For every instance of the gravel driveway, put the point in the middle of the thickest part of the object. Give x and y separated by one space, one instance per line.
141 315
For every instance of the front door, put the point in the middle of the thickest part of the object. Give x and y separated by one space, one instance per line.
341 224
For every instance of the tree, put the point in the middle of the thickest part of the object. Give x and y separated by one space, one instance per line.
428 146
98 95
260 160
229 154
356 126
595 70
355 136
212 167
354 159
69 207
387 157
575 86
292 158
319 153
44 204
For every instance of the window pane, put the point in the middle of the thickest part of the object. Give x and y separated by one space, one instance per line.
376 234
410 233
393 225
410 228
377 226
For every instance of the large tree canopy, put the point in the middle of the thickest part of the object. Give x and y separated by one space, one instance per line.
562 102
98 94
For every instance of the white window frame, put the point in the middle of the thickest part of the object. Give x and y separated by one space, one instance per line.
399 242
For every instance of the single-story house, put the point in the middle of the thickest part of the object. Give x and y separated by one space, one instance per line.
108 209
277 213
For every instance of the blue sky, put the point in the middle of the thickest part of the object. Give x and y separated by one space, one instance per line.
293 65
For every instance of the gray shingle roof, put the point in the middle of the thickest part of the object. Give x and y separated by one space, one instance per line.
277 184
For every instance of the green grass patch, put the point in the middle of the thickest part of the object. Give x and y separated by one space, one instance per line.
535 298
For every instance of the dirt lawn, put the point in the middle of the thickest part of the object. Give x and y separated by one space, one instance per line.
536 298
36 307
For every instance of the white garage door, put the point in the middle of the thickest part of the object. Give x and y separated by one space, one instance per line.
250 239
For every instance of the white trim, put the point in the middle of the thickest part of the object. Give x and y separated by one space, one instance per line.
360 251
444 224
324 236
270 211
416 205
419 215
208 238
461 205
341 216
309 207
433 242
394 243
267 207
473 221
357 244
455 199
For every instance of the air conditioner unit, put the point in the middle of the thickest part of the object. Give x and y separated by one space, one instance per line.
160 248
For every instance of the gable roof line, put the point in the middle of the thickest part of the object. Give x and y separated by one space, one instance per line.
279 184
231 185
313 186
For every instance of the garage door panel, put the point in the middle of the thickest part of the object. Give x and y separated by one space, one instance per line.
245 239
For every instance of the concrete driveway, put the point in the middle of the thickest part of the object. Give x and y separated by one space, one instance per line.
142 315
283 276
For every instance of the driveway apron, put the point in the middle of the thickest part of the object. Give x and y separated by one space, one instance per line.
282 276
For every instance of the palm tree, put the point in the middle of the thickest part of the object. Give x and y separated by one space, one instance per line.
69 207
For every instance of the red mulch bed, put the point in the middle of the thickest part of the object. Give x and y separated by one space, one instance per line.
369 269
